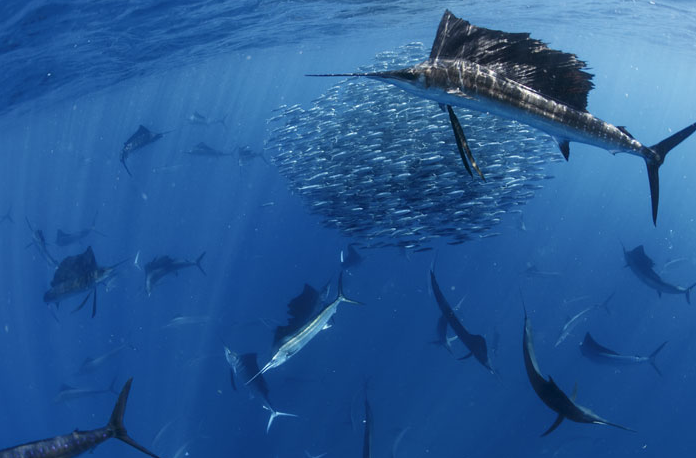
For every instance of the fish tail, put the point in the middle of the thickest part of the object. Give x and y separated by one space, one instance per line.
223 121
275 414
123 161
653 355
198 263
112 386
688 293
341 296
116 421
661 149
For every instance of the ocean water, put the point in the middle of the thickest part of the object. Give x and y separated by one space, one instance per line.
78 79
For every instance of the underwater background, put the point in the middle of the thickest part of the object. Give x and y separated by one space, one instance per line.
80 76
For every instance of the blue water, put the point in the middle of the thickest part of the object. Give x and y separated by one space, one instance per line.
79 77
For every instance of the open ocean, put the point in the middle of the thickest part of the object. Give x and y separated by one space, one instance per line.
80 76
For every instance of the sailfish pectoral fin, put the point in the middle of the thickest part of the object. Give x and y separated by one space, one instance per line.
94 303
82 304
466 356
555 425
462 145
564 145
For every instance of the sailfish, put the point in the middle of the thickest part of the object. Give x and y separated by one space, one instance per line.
308 317
141 138
78 274
517 77
475 343
551 394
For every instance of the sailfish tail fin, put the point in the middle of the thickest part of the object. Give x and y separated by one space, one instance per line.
116 421
198 263
653 355
274 415
341 296
688 293
661 149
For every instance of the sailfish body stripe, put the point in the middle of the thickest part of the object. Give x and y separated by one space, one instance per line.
473 86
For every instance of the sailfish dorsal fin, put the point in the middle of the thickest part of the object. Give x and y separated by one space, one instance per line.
74 267
593 345
640 251
300 308
530 62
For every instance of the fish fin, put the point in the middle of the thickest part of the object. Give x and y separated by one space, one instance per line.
116 421
517 56
82 304
232 382
342 297
564 145
54 312
659 293
625 131
112 386
94 303
574 396
123 161
688 293
442 106
462 145
198 263
466 356
458 139
661 149
653 355
223 121
273 416
555 425
605 304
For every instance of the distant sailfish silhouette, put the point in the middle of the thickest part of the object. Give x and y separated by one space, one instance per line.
551 394
78 274
141 138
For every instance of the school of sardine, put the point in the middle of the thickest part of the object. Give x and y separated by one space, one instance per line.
379 164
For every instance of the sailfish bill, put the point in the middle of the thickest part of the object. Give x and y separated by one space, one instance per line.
517 77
